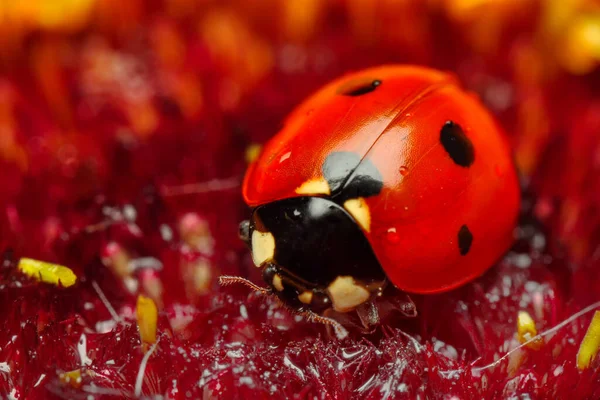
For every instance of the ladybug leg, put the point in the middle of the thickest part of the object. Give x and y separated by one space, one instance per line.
369 315
406 306
354 321
231 280
397 301
338 329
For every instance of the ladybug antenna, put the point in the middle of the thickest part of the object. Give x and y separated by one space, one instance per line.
226 280
340 331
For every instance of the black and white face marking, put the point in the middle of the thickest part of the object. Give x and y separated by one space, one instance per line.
312 250
313 254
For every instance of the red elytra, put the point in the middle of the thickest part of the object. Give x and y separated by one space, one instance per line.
449 198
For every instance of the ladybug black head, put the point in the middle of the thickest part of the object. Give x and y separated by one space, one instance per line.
313 254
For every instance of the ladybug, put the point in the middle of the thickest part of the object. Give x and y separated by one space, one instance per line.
391 176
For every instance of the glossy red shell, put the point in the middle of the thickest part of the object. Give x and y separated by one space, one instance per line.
426 197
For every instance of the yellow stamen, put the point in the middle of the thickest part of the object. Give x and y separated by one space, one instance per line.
526 330
46 272
590 344
147 315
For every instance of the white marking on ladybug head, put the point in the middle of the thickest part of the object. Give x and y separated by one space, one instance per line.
263 247
359 209
306 297
314 187
346 294
277 283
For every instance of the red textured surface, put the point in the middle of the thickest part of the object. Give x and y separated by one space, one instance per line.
99 125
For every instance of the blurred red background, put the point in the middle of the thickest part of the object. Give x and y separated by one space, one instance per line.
124 131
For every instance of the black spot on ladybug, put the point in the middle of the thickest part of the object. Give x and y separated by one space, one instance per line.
457 144
348 177
465 239
359 88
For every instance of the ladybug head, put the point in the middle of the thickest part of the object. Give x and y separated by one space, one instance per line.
313 254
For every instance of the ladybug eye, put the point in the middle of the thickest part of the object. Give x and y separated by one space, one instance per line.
358 88
458 146
244 231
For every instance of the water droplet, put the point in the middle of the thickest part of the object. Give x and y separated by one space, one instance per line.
403 170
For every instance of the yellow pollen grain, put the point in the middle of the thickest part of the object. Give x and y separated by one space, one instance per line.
590 344
46 272
314 187
277 283
359 209
305 297
147 315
